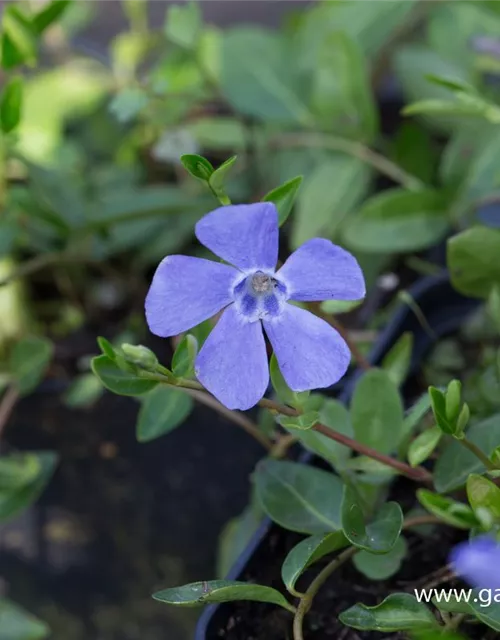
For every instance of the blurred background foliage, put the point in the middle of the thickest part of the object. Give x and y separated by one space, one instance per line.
389 110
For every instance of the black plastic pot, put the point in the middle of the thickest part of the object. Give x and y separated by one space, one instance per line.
444 310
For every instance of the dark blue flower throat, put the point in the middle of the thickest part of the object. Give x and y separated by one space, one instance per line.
259 296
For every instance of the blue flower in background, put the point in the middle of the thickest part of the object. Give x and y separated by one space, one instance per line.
232 363
478 562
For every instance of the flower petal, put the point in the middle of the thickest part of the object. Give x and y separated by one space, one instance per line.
310 353
232 363
478 561
245 235
185 291
320 270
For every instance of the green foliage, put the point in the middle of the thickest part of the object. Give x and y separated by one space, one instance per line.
28 362
378 566
11 104
18 624
283 391
284 197
398 359
450 414
455 513
119 380
423 445
472 262
398 612
162 410
484 498
184 357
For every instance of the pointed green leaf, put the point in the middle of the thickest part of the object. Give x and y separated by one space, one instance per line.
184 357
198 166
398 612
106 347
11 104
377 411
217 180
380 567
17 624
307 552
438 404
416 413
483 494
19 44
162 410
200 593
124 383
450 511
29 360
423 445
397 361
378 536
49 14
298 497
284 197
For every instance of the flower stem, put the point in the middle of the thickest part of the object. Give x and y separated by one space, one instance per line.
7 404
473 448
352 148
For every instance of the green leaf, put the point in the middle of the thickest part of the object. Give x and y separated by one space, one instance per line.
128 103
423 445
438 405
198 166
398 612
260 84
184 357
217 179
124 383
450 511
28 363
162 410
183 24
380 535
84 391
304 422
398 221
19 44
11 104
200 593
332 414
473 263
283 391
330 192
416 413
397 361
413 150
483 494
19 490
340 306
106 347
284 198
484 609
221 133
464 105
307 552
298 497
49 14
17 624
377 411
381 567
456 463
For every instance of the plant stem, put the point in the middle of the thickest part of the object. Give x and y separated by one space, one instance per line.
7 404
473 448
352 148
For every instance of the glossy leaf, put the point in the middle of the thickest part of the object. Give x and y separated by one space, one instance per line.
423 445
106 347
472 261
307 552
378 536
377 411
162 410
398 612
397 361
11 104
456 463
124 383
198 166
450 511
299 497
184 357
200 593
17 624
380 567
284 197
398 221
28 362
483 494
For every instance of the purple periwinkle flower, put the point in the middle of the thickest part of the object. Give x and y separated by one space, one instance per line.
232 363
478 562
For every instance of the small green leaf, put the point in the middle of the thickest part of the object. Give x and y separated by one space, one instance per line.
124 383
483 494
140 356
304 422
473 263
200 593
284 197
17 624
416 413
84 391
19 44
283 391
198 166
183 24
128 103
106 347
184 357
377 411
450 511
29 360
453 400
217 179
299 497
162 410
340 306
380 535
423 445
398 612
49 14
397 221
11 104
397 361
18 491
307 552
380 567
438 404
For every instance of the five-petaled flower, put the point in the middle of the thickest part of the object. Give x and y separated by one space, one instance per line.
232 363
478 561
